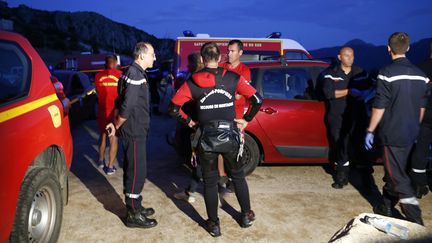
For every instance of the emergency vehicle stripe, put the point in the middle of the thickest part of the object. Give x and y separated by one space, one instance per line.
109 76
333 78
402 77
22 109
136 82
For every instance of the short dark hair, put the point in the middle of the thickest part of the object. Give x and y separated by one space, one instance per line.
140 48
345 47
399 43
210 52
194 62
110 59
238 42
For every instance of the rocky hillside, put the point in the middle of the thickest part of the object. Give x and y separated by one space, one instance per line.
57 33
373 57
80 31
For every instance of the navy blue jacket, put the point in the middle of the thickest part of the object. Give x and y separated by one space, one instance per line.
401 91
133 102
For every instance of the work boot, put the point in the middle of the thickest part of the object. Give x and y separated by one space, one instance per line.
419 182
147 211
388 205
247 219
212 227
341 179
138 220
412 213
421 191
383 209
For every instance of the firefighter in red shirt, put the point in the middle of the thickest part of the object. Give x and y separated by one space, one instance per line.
106 87
235 51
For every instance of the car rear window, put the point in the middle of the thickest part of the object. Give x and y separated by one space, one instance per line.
296 56
15 72
289 83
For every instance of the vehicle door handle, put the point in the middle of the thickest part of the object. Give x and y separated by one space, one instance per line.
268 110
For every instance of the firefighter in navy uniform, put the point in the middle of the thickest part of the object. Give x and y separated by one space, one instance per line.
132 122
214 91
420 155
345 111
398 109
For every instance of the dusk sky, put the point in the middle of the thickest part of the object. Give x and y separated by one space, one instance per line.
314 23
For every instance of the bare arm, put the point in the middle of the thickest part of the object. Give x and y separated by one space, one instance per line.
422 111
118 121
113 126
377 115
341 93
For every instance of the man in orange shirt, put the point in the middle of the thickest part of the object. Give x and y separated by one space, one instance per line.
106 87
235 51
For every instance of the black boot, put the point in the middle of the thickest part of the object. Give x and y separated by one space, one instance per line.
213 227
412 213
421 191
388 205
138 220
341 179
147 211
247 219
419 182
383 209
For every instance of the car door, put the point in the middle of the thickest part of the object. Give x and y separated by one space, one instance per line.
17 118
291 115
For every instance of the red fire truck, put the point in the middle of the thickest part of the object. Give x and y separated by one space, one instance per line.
254 49
86 62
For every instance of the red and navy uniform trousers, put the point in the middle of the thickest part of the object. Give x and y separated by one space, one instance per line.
420 154
135 166
133 103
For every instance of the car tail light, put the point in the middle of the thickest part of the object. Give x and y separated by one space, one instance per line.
58 86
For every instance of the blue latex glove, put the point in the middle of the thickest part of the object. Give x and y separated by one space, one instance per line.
369 140
355 92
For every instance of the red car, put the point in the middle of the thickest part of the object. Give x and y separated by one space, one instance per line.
35 145
290 125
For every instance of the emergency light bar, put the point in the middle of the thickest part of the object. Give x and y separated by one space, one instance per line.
274 35
188 33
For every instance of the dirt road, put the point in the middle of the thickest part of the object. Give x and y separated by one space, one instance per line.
292 203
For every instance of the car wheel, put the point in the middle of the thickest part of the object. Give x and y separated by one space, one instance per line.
251 155
40 208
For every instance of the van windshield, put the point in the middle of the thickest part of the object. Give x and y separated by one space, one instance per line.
258 55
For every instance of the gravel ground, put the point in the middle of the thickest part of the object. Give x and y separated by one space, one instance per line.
292 203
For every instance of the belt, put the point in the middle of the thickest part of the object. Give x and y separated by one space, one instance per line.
222 124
